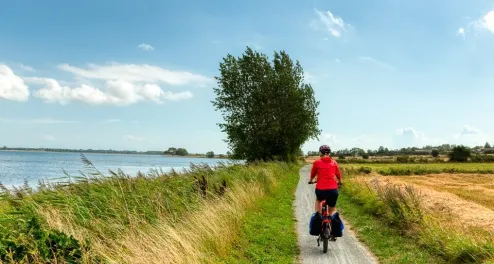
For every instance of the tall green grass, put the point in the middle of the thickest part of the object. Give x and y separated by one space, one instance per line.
67 221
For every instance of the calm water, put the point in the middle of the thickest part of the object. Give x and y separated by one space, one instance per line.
17 166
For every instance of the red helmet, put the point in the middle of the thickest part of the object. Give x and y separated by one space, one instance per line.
324 149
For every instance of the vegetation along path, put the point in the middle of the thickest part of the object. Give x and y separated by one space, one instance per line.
346 249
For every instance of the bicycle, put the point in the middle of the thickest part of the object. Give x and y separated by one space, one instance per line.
325 234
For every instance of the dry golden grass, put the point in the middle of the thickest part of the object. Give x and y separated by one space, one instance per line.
203 235
462 197
455 229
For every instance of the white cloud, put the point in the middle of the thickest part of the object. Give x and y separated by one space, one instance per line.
409 137
49 138
133 138
334 24
12 87
461 32
136 73
122 84
486 22
468 130
27 68
471 136
117 92
146 47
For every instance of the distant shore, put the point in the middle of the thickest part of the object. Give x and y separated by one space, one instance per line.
116 152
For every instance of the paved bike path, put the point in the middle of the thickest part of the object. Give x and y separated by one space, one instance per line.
346 249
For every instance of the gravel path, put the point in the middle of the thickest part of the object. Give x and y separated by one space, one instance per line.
346 249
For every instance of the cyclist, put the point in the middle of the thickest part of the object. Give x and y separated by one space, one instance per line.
327 170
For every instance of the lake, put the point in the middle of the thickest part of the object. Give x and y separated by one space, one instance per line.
15 166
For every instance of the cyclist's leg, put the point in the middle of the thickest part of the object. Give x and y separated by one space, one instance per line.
317 205
332 198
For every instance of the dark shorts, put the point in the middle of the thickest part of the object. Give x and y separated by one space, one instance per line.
331 196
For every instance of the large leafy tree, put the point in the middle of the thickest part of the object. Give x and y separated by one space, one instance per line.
269 111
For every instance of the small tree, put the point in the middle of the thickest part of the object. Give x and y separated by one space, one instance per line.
435 153
487 145
460 154
210 154
181 152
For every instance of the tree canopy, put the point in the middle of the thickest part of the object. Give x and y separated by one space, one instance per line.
268 109
176 151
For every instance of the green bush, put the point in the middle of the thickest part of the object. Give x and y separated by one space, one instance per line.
435 153
482 158
459 154
29 241
403 159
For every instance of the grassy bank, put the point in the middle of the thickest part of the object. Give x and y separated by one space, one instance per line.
397 228
192 217
268 234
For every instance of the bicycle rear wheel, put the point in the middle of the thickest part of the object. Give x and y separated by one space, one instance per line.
325 238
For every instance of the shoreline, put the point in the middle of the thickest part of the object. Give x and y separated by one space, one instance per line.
111 153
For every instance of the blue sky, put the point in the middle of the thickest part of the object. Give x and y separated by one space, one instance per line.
139 74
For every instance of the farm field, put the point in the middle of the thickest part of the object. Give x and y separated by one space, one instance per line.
447 207
423 168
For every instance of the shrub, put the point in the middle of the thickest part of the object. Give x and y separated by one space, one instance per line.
365 156
459 154
402 159
365 170
435 153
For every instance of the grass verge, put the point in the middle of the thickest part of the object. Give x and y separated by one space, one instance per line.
387 244
268 234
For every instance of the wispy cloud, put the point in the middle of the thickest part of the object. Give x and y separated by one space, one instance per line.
309 77
469 130
133 138
486 22
27 68
327 21
376 62
115 120
44 120
49 138
145 47
136 73
12 87
483 23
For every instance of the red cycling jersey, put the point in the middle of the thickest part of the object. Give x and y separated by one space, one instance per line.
326 169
